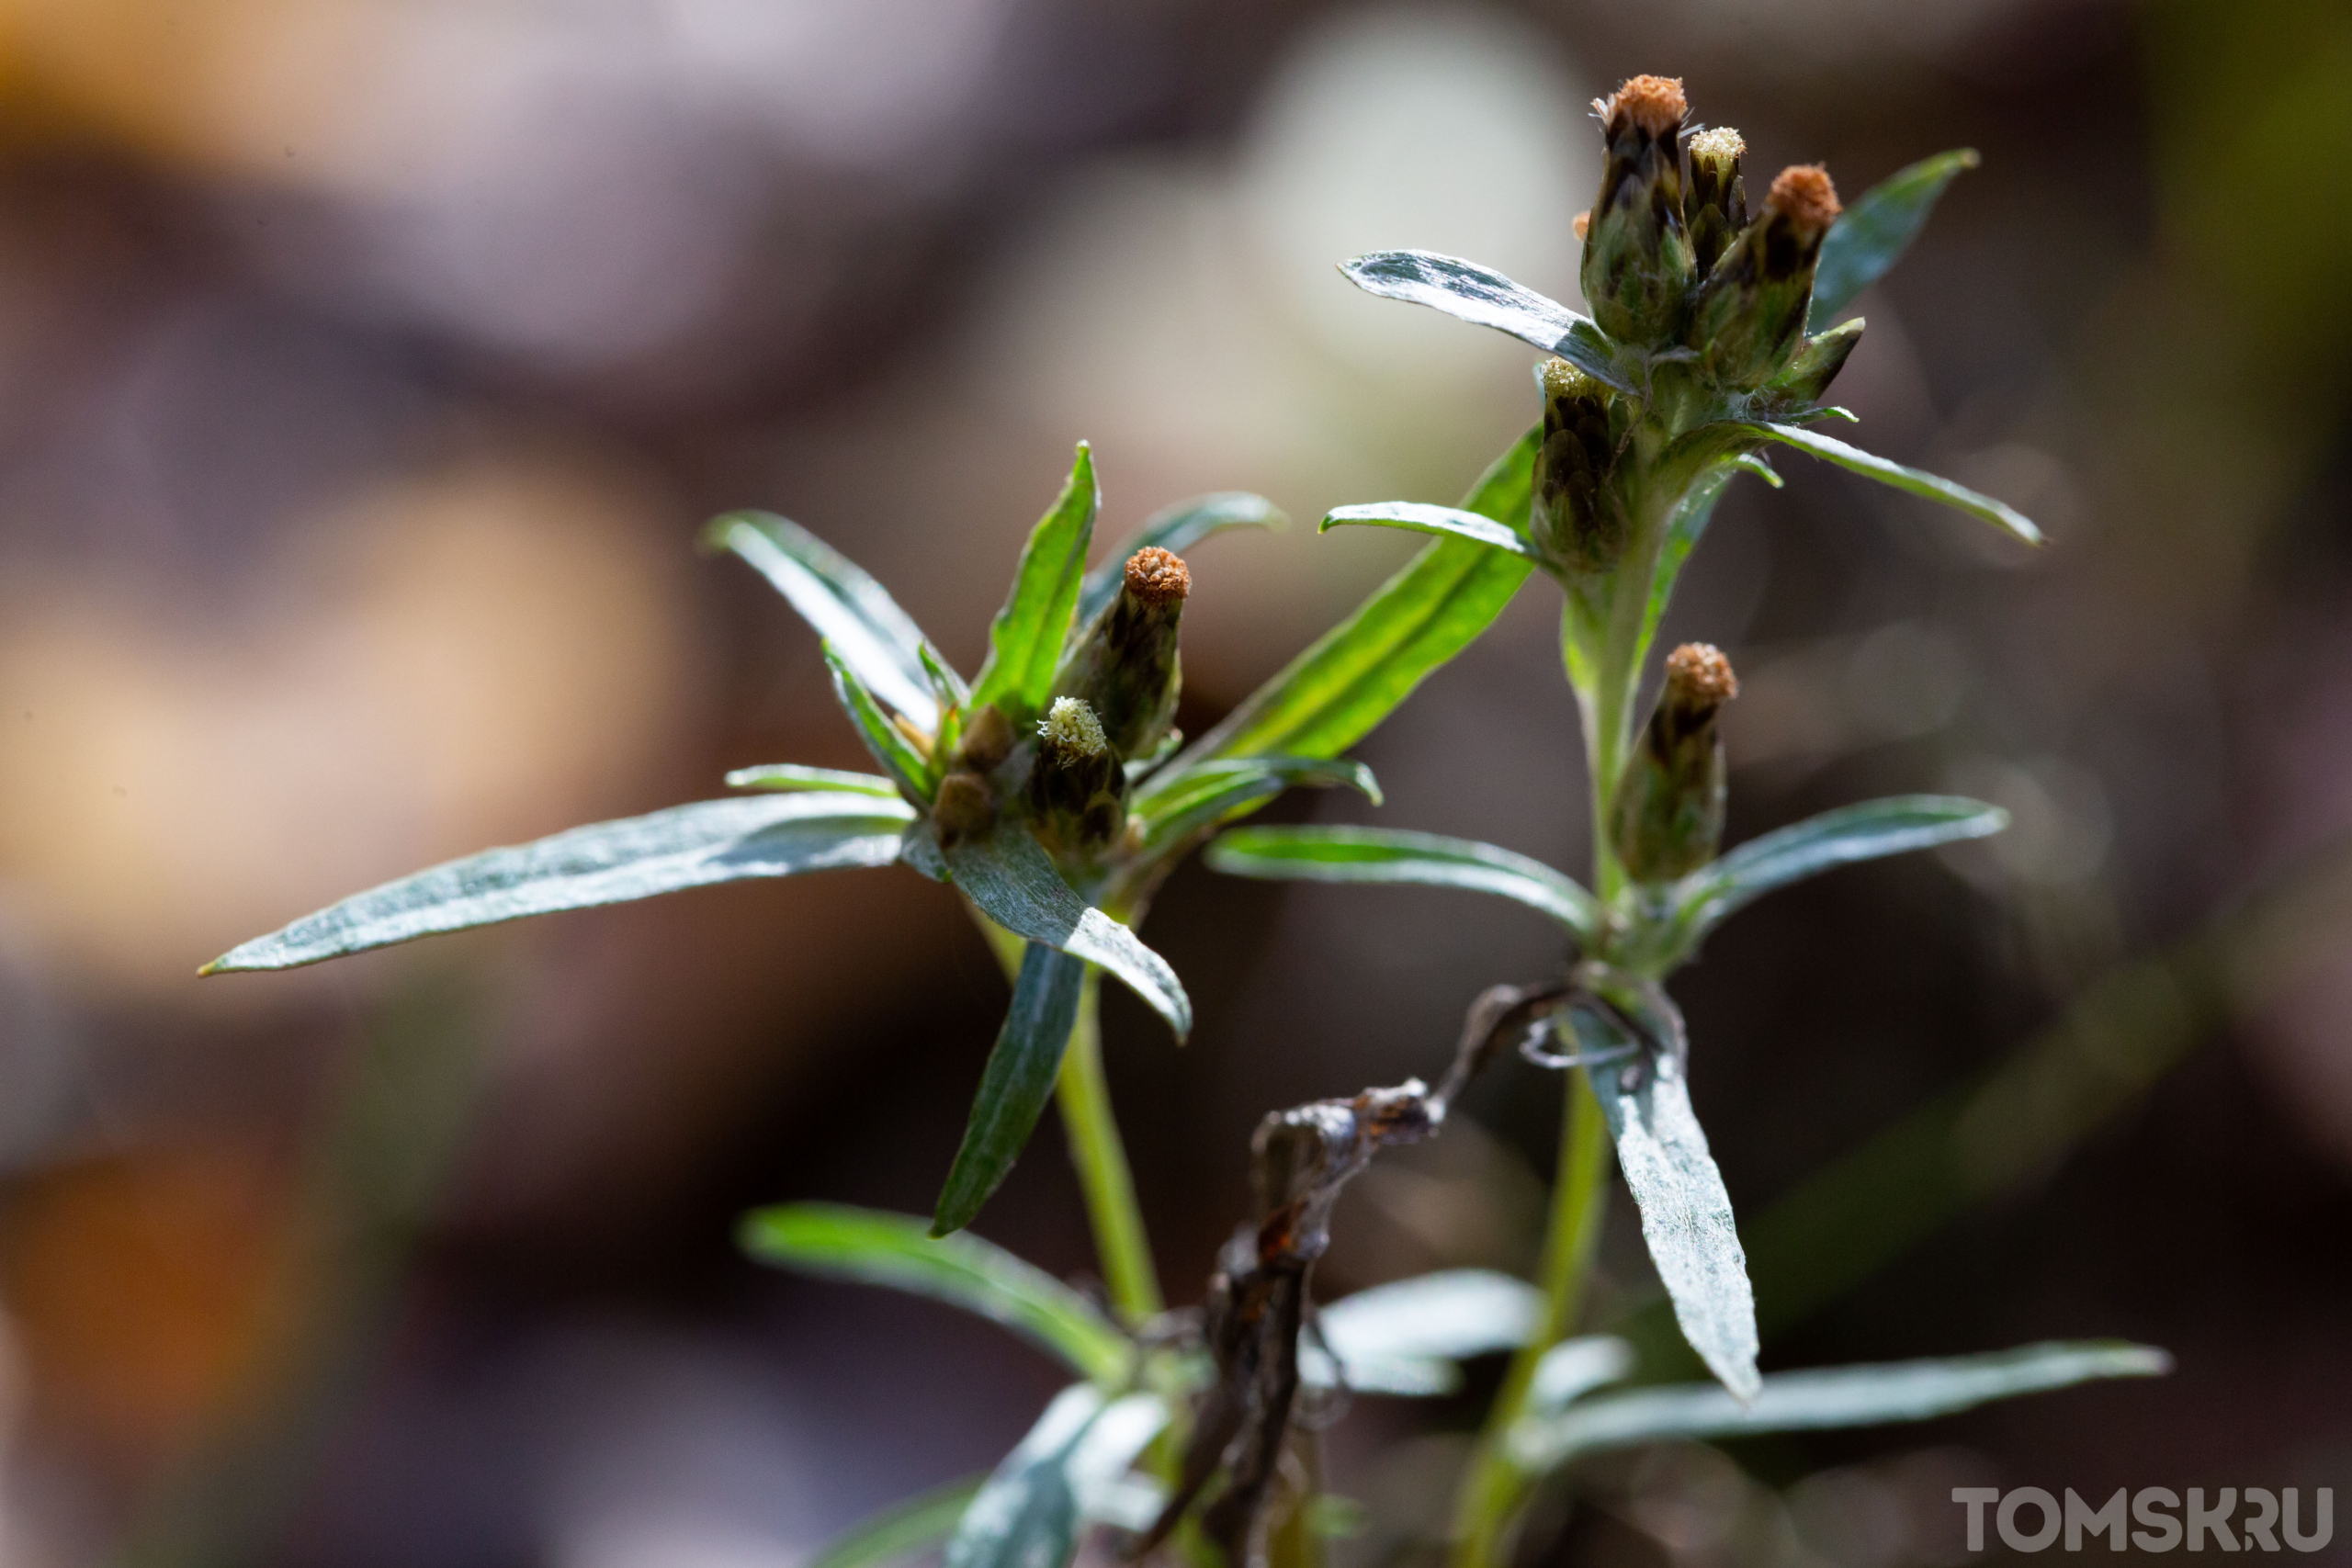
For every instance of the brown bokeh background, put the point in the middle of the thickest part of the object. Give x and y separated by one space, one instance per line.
366 368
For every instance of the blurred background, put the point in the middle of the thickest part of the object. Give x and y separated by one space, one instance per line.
366 368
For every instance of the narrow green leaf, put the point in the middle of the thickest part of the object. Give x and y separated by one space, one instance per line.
1176 529
1686 1211
1445 521
1393 855
1915 482
784 777
1028 1513
1354 675
848 608
1180 802
1406 1338
1481 295
1871 236
917 1523
607 862
886 743
1833 1397
1013 881
1869 830
1683 531
1015 1084
1753 463
945 684
1026 641
896 1251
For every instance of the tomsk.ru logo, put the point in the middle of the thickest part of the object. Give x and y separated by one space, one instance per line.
2267 1515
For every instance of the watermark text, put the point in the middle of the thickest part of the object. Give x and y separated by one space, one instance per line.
2153 1519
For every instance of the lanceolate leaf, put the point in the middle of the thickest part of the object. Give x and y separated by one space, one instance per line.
1332 695
1014 882
1683 533
1871 236
1869 464
1837 1396
902 1529
1482 295
1028 1513
848 608
1177 529
1181 802
1015 1084
607 862
1445 521
1686 1212
897 1251
1406 1338
908 768
1866 831
1025 642
783 777
1387 854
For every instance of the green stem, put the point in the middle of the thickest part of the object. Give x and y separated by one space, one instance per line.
1493 1487
1101 1157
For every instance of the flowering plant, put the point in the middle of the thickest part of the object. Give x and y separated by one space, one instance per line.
1052 793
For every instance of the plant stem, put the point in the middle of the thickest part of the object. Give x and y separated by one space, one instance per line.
1095 1149
1492 1487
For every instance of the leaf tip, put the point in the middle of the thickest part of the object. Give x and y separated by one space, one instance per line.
718 534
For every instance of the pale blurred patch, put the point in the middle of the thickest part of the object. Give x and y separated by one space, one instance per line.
583 183
448 663
1183 312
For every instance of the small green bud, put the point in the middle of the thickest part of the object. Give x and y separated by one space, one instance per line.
1575 518
1715 208
1668 816
1817 362
1076 785
1637 263
1125 667
1751 311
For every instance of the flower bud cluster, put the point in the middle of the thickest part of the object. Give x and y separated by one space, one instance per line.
1113 702
1673 260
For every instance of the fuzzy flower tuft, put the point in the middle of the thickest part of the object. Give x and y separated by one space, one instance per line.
1720 141
1699 676
1070 727
1654 102
1802 194
1562 380
1158 576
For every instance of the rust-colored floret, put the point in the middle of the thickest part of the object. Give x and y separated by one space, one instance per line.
1698 675
1654 102
1582 221
1158 576
1803 193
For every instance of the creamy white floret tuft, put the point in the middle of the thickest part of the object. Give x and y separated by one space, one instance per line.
1070 726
